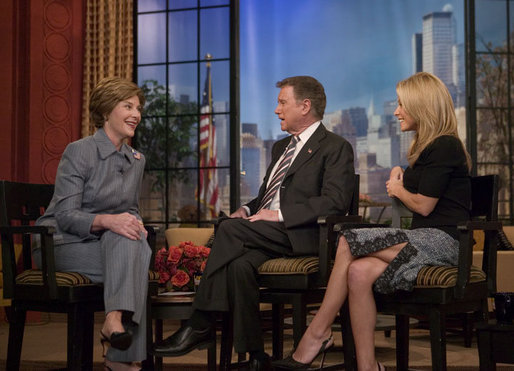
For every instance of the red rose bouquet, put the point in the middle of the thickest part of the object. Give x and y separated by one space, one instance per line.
178 265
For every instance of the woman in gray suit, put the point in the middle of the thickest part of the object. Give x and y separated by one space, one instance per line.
94 210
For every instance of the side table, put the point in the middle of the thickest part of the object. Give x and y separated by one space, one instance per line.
178 307
495 344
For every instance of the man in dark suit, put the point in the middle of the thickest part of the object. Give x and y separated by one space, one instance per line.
311 174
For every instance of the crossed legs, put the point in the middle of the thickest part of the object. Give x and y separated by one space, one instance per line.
351 277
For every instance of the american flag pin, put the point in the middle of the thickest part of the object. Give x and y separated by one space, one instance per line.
309 151
136 154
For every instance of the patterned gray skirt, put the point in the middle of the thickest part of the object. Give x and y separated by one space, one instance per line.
425 246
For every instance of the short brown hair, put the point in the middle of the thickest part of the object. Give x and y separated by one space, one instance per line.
307 87
107 93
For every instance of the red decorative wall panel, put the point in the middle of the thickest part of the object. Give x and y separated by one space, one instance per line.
46 56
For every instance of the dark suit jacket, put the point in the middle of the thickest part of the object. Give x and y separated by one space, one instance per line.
319 182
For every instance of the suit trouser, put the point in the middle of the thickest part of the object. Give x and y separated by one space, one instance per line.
230 283
122 265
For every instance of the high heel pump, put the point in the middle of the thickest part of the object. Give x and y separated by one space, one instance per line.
289 363
117 340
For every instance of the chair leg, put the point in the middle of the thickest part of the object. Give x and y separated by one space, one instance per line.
158 337
80 337
438 339
277 313
350 361
299 319
227 340
148 363
16 328
402 342
467 328
211 356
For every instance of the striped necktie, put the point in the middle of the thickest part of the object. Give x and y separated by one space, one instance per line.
279 175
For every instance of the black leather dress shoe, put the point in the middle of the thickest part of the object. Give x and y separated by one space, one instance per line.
260 364
183 341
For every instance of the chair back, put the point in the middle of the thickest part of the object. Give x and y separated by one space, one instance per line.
484 197
354 205
398 213
484 206
20 204
23 202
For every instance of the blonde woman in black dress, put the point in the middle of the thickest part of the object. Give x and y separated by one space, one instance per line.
436 187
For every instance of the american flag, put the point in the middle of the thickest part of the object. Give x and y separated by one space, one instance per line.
208 192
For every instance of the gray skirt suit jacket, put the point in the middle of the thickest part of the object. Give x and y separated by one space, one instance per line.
94 178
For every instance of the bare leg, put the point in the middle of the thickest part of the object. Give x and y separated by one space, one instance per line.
335 295
112 323
362 273
121 366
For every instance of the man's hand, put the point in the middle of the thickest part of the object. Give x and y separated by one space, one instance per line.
239 213
265 214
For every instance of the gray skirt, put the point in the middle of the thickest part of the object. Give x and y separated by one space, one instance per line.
425 246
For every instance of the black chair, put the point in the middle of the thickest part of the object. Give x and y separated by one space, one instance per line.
44 290
440 291
298 281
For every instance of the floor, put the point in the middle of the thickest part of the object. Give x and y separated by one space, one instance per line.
44 348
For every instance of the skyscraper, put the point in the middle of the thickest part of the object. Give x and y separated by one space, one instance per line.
417 52
438 40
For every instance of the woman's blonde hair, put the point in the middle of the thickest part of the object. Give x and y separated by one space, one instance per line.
427 100
107 93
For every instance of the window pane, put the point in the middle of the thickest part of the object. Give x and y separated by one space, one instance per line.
182 141
151 77
150 5
183 85
492 136
491 26
214 33
151 201
224 189
151 46
511 18
222 124
220 77
183 184
151 141
213 2
181 4
253 168
182 36
491 82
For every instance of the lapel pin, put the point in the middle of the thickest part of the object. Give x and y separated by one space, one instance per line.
136 154
309 151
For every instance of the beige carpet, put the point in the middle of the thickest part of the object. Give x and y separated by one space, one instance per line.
44 348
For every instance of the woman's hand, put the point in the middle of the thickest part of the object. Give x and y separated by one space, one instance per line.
395 183
124 224
416 202
396 173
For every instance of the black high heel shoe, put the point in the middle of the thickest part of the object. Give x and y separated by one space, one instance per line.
289 363
117 340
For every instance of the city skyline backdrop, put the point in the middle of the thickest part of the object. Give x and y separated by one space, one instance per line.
368 49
